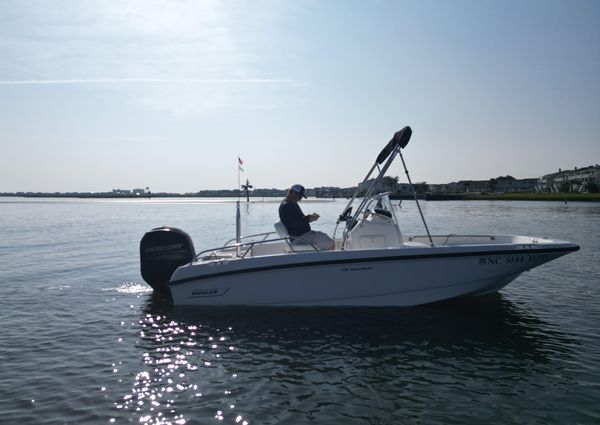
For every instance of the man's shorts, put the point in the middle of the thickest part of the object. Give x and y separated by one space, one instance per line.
319 239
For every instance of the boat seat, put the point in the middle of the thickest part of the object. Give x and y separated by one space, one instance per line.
283 233
280 229
271 248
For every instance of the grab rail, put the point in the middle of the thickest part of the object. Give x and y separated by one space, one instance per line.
250 236
249 246
448 237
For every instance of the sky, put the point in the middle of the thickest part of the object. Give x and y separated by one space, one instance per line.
97 95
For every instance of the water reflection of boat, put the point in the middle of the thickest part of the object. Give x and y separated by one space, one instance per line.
374 264
467 327
332 365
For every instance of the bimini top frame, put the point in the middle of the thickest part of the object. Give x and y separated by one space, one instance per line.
385 157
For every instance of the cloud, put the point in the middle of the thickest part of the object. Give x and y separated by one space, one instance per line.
177 55
58 40
151 81
136 39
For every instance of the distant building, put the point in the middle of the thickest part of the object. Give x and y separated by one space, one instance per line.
462 186
473 186
327 192
585 179
270 193
385 185
497 185
121 192
444 188
516 185
404 189
331 192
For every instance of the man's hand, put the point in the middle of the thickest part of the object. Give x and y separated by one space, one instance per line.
313 217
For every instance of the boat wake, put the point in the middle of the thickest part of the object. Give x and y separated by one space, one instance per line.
131 288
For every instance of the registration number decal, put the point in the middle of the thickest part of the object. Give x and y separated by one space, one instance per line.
512 259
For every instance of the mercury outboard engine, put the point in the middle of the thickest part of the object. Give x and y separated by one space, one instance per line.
162 250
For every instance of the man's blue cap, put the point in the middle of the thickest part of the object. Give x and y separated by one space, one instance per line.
299 189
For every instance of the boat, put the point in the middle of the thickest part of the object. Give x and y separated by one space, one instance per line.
374 262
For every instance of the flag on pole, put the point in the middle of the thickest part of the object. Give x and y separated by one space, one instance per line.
240 163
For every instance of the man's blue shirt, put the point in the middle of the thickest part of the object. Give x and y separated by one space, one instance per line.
293 218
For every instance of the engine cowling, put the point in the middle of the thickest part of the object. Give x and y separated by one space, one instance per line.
162 251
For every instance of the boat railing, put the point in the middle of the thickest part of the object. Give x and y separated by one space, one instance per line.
263 235
444 240
241 250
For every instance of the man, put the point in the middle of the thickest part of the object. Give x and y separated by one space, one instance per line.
297 224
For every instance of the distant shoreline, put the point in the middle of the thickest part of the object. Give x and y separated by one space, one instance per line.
109 195
113 196
556 197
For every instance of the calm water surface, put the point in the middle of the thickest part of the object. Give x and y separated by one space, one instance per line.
85 341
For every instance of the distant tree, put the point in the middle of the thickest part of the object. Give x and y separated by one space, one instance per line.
592 187
390 183
421 187
246 187
493 184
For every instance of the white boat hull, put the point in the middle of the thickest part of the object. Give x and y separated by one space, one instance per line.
382 277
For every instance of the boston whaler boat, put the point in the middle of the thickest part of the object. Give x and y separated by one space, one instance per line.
374 263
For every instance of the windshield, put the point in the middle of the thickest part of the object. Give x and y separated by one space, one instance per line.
380 203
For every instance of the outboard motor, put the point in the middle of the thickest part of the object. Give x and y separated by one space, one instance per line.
162 250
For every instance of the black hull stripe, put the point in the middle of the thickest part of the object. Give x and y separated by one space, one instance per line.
564 250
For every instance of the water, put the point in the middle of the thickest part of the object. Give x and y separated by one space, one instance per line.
84 340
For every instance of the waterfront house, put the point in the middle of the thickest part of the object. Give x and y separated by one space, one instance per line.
585 179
